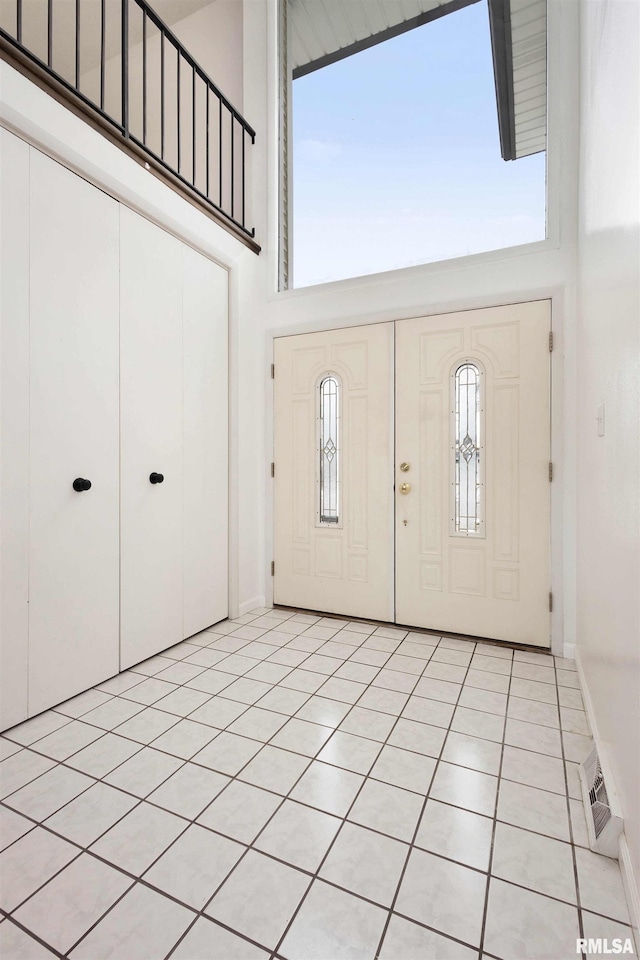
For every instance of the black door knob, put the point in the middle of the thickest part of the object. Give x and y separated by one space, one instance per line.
79 484
156 477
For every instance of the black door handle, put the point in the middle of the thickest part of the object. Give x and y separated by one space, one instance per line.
156 477
79 484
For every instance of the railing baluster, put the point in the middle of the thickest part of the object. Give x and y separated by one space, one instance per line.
178 103
19 21
50 33
233 163
144 76
102 50
193 124
207 146
125 66
162 94
220 151
77 44
243 162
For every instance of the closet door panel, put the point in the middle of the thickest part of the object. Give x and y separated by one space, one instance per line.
14 438
205 419
73 576
151 418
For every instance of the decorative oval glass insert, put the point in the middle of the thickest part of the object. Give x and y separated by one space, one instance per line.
329 452
468 486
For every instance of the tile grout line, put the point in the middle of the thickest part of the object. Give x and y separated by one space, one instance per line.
251 846
345 820
383 743
248 847
142 745
420 816
21 926
194 821
485 910
188 759
570 821
314 876
367 686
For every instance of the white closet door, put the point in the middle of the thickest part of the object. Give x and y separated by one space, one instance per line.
73 575
205 419
151 415
14 438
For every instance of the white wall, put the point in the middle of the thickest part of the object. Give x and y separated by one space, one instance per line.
608 628
213 36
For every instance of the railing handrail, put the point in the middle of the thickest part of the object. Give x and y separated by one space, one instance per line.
229 157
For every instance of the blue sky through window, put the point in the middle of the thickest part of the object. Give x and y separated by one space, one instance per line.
397 157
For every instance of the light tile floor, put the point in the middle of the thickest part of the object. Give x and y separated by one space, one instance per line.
298 787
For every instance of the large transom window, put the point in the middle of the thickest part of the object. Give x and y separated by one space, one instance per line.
396 122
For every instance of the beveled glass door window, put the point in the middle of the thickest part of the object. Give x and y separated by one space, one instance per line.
467 443
329 450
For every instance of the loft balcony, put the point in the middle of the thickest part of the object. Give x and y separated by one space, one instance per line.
125 70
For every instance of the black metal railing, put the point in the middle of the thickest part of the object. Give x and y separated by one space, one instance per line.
118 58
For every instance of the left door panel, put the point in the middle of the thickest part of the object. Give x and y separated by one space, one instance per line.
73 397
334 471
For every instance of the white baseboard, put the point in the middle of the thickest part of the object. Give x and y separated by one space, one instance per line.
569 651
250 605
586 696
629 882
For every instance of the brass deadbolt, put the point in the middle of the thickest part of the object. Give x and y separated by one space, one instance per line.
404 467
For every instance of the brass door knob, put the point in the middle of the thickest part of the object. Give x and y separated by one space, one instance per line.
404 467
405 487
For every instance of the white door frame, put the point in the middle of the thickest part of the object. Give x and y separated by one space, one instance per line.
557 296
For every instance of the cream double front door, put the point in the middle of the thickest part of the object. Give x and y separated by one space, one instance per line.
412 472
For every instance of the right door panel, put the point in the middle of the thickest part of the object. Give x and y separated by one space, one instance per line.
472 429
151 431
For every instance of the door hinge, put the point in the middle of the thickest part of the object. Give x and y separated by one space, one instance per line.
273 371
550 602
273 469
550 471
273 568
550 341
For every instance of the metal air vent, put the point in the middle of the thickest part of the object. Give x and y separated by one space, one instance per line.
603 823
